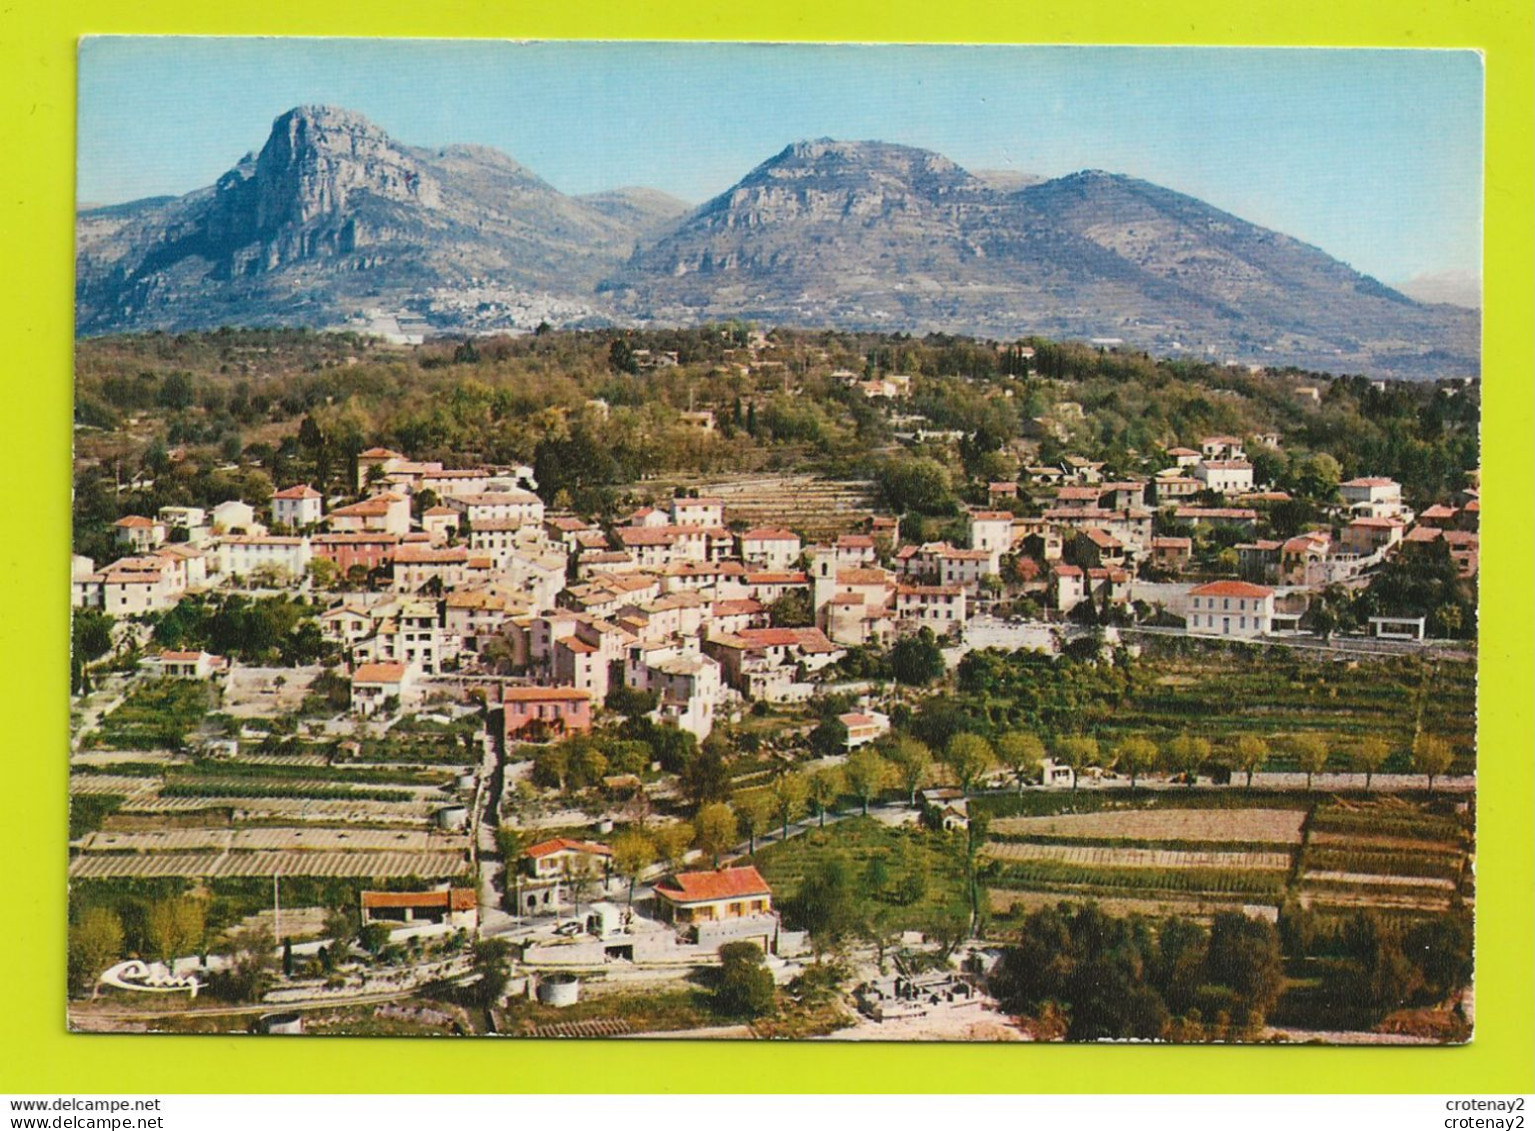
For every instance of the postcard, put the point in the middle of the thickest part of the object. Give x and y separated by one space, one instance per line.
761 541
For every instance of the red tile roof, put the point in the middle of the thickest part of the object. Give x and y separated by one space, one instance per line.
298 491
745 606
516 496
929 590
543 694
810 639
379 673
368 508
769 534
364 539
645 535
565 844
1238 513
861 577
457 899
1101 538
705 887
778 577
1231 589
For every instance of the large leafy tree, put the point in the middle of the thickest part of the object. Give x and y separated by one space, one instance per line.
745 986
95 942
715 829
1248 753
1311 753
1370 755
633 852
825 786
1077 752
867 774
916 660
790 792
706 778
1185 754
913 763
1431 756
970 757
1023 753
755 810
1134 756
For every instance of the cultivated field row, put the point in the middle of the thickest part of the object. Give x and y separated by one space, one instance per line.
1260 826
1099 856
1191 908
213 865
275 840
111 783
361 810
1361 840
1375 879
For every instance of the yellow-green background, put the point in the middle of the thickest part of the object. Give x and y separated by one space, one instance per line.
37 59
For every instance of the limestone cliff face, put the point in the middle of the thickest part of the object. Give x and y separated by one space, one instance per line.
303 196
333 214
317 156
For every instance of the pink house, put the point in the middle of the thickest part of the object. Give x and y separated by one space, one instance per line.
536 713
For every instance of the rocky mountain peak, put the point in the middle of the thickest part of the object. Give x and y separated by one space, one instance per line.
316 157
829 157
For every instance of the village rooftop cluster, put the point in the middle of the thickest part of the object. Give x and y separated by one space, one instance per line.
463 613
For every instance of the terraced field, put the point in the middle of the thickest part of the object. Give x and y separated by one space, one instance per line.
1009 903
1104 856
1337 856
1255 826
214 865
1385 854
111 783
274 840
815 507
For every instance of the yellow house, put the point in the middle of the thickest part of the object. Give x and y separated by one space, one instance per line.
707 897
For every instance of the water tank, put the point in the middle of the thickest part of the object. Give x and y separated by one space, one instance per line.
559 990
454 818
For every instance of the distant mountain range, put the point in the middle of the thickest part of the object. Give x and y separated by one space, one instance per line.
334 223
1460 288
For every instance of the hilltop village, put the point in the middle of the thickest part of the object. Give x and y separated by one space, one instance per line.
375 737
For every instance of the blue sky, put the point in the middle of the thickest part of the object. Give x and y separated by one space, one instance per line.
1374 156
